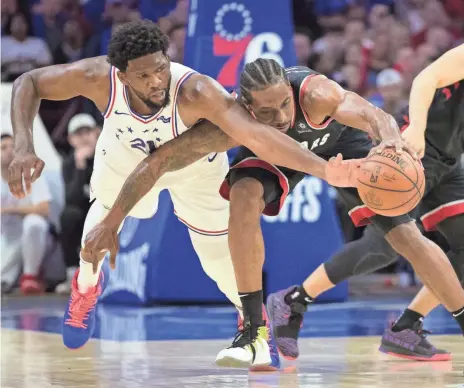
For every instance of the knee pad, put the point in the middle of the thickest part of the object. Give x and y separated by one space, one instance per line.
363 256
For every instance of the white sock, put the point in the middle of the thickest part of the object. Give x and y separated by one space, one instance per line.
86 278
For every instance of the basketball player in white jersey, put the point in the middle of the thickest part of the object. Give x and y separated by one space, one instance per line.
147 101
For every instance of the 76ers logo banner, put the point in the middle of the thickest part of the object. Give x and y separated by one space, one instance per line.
223 35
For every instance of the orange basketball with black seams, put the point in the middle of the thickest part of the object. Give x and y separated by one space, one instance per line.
390 183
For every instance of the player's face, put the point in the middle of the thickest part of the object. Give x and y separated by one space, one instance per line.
149 78
274 106
7 151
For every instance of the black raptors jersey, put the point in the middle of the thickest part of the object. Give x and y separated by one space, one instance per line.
445 122
322 139
317 137
326 140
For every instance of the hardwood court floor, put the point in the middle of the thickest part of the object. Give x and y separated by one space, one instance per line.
176 347
39 360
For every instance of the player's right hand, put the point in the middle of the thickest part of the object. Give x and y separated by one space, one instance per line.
101 239
342 173
24 165
415 138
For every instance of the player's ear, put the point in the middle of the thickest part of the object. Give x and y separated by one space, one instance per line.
122 77
249 109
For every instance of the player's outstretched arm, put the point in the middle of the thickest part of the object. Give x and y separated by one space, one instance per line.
446 70
324 97
205 96
176 154
60 82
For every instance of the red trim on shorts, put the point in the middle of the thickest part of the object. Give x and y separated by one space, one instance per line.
360 215
271 209
202 231
303 86
431 219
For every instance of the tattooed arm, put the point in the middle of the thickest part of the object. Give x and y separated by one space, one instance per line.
176 154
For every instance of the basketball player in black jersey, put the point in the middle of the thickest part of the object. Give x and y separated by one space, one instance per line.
309 114
434 126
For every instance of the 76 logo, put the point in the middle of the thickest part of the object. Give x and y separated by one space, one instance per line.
249 48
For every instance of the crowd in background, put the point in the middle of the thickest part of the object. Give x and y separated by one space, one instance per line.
372 47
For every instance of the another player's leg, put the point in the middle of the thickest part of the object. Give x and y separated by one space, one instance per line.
286 307
406 338
215 259
247 250
203 209
431 264
425 301
86 288
362 256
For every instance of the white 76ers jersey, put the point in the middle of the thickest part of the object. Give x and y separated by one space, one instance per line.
127 137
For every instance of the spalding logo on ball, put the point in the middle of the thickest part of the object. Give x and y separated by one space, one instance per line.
390 183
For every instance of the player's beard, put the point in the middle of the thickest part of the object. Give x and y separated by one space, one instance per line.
154 106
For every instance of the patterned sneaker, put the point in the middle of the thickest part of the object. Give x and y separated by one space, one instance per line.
286 322
79 317
250 347
412 344
275 359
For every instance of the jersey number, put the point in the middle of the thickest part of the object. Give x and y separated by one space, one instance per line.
146 147
320 141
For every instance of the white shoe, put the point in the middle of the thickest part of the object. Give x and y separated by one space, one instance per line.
250 347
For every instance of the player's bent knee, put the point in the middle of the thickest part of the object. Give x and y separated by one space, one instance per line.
246 196
406 239
453 230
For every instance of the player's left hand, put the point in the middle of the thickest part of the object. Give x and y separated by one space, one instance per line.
400 145
342 173
101 239
416 138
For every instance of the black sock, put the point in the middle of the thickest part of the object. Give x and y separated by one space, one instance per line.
459 316
252 303
299 295
406 320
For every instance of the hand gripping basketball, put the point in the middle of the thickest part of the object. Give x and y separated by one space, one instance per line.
391 183
342 173
399 145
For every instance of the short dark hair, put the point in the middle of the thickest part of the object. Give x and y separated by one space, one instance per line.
6 136
258 75
135 40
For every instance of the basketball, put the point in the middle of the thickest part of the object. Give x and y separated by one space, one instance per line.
391 184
